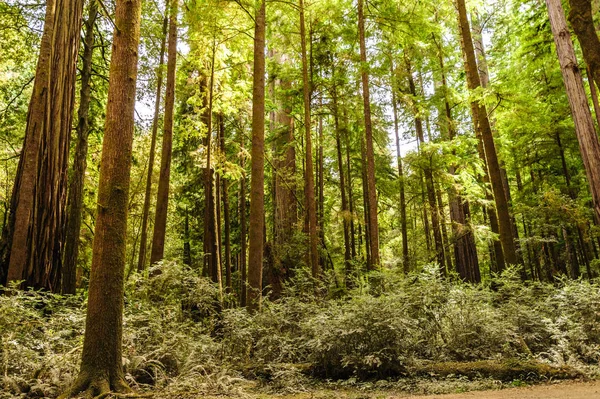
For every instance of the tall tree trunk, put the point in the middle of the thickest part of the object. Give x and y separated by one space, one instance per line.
321 185
371 190
211 237
465 249
33 239
226 216
255 256
582 21
344 211
101 365
217 205
594 94
162 196
350 193
75 193
148 194
584 126
429 183
309 187
366 210
403 224
482 125
445 241
484 76
242 206
285 204
426 229
187 248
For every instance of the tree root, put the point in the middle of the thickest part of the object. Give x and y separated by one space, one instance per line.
98 387
124 395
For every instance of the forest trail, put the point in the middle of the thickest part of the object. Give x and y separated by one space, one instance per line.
563 390
570 390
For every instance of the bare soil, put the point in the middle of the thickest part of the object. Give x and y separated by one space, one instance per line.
564 390
558 390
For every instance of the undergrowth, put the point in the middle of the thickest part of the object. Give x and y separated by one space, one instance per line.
179 338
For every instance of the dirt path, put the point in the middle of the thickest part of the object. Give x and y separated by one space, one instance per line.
567 390
562 390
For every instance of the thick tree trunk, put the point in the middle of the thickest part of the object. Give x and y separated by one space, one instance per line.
75 194
148 194
582 21
584 126
101 366
370 152
33 239
482 126
309 183
403 224
162 196
257 191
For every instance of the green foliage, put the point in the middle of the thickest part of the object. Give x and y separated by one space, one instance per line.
176 337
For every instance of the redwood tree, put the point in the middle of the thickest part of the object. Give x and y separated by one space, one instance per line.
147 195
75 198
309 186
257 193
584 125
582 21
162 199
101 365
33 239
370 155
483 128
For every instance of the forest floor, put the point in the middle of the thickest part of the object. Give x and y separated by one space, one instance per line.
561 390
423 389
569 390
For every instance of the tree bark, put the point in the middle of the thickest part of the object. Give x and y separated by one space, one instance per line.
594 95
371 190
33 238
148 194
75 193
582 21
584 126
255 255
162 196
482 126
101 365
